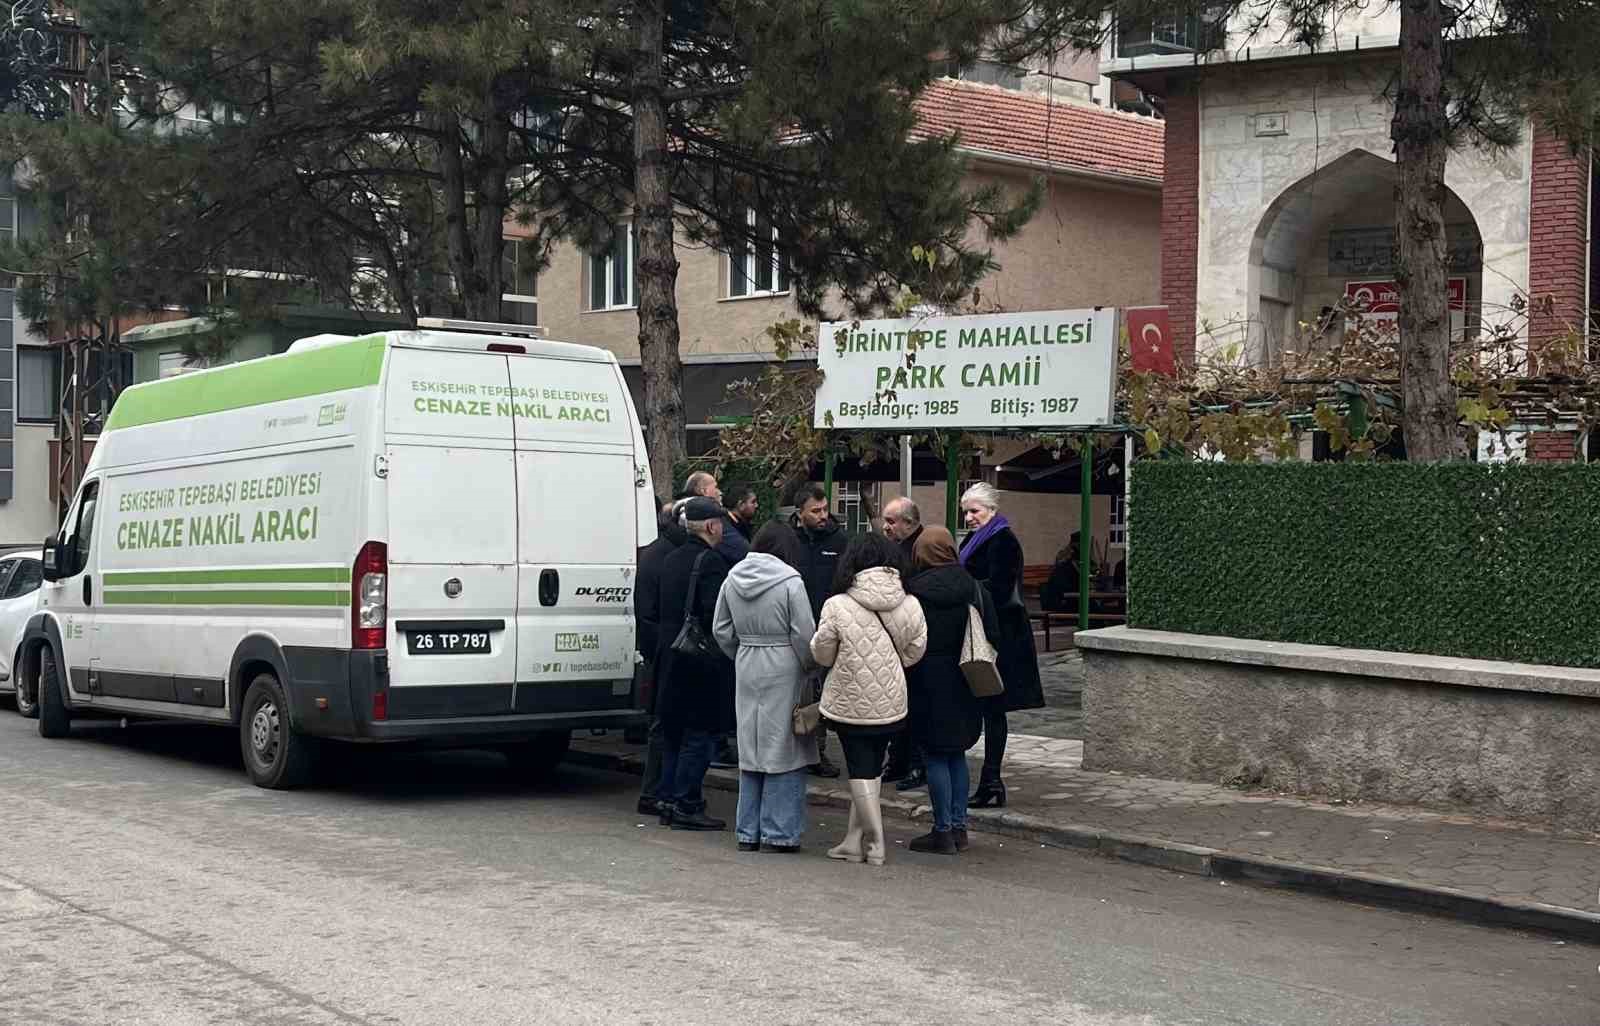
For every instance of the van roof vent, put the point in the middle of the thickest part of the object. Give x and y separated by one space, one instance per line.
481 327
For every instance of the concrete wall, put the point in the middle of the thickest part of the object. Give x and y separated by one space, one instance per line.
1330 111
1494 739
30 515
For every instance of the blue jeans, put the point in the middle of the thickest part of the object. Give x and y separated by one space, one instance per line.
948 780
685 757
772 807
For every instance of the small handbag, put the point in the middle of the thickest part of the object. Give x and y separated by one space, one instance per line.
978 655
692 639
807 718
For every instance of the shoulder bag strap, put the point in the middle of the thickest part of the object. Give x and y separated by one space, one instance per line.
890 635
694 587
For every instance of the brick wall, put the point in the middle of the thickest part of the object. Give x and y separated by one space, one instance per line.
1552 446
1180 216
1558 237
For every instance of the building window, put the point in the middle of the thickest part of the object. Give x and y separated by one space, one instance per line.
988 72
519 303
612 282
1119 520
758 270
170 365
38 384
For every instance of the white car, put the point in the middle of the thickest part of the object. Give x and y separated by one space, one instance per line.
21 573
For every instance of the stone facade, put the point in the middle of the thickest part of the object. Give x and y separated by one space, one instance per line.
1269 136
1494 739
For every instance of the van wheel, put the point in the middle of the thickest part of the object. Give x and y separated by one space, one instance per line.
538 758
275 756
27 704
55 720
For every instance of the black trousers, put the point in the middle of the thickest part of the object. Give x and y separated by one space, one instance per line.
994 737
864 749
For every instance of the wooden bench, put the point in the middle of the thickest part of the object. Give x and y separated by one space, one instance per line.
1034 576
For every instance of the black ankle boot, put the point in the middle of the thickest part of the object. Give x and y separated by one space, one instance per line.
935 842
990 794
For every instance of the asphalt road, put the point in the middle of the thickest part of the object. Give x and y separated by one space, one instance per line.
144 880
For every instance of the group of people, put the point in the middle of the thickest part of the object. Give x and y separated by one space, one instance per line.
869 628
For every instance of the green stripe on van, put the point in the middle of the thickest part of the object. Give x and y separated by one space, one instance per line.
271 379
265 575
225 597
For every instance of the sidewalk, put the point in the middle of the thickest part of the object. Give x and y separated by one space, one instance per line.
1464 866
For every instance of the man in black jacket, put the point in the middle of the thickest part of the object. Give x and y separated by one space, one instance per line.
647 614
902 522
694 690
822 542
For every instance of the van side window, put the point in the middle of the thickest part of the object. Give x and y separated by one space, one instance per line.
83 531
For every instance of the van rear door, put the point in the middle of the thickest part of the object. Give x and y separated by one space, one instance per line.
577 540
452 534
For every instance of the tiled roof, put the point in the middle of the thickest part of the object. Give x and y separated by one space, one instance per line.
1034 127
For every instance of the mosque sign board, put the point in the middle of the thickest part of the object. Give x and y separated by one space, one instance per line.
1038 369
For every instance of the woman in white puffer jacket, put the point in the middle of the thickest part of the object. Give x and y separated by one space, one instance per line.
870 631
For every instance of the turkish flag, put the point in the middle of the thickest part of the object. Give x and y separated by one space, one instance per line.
1150 340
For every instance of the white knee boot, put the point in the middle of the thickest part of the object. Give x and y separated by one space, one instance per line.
872 811
849 849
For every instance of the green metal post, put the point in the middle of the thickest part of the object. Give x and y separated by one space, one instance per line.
952 482
1358 416
1085 527
827 476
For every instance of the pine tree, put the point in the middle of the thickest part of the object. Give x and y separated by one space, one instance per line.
398 136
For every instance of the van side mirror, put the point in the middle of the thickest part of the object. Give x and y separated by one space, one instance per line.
51 559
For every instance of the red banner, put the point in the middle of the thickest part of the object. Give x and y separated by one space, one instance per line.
1150 340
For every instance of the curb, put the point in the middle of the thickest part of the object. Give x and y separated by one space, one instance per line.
1195 860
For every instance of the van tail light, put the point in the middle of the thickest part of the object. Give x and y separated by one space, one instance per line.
507 347
369 597
380 705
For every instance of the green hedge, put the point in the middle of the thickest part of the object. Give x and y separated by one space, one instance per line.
1461 559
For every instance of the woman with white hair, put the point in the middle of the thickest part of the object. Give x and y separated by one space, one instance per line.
992 554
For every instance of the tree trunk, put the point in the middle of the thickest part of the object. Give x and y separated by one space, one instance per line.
493 165
457 231
1419 131
657 264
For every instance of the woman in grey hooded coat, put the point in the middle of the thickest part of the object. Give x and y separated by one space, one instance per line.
764 623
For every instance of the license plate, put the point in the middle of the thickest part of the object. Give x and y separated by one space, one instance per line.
447 642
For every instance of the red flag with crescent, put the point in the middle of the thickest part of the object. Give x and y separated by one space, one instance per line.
1150 341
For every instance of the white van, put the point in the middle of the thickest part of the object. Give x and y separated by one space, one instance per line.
422 536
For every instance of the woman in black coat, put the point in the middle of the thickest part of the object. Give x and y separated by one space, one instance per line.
945 717
992 554
694 694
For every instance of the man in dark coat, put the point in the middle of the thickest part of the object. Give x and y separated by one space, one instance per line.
742 505
694 693
902 522
733 546
647 616
822 541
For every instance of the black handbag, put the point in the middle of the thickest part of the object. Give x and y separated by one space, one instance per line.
692 639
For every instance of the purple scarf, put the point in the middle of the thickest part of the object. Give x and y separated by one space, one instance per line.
975 540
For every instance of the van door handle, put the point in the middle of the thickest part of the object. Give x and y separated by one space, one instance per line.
88 591
549 587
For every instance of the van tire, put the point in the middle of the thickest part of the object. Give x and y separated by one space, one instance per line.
538 757
55 719
275 755
27 700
